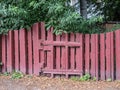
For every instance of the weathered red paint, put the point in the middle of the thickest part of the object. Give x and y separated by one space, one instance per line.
35 48
96 56
108 60
63 58
102 56
112 54
81 54
66 47
49 60
117 49
93 56
16 40
87 53
72 52
30 56
10 51
42 53
63 54
4 53
58 60
23 61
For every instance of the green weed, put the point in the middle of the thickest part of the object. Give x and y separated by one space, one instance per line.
17 75
85 77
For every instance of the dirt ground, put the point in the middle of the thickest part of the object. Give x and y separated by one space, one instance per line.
46 83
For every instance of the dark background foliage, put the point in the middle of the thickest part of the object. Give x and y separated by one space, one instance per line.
17 14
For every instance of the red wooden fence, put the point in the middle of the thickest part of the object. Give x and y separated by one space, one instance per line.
39 51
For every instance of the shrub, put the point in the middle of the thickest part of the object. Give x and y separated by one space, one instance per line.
55 13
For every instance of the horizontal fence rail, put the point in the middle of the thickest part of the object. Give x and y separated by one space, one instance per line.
37 51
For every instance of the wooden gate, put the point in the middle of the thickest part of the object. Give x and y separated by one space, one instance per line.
61 54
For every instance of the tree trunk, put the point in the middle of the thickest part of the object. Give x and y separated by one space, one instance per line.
83 8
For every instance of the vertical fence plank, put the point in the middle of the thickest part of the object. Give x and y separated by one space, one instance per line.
72 54
52 50
4 53
23 55
58 54
16 40
79 54
117 49
87 53
43 36
66 47
108 60
35 48
63 57
49 61
10 51
63 54
96 57
112 54
50 53
30 56
102 56
93 61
